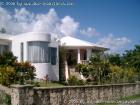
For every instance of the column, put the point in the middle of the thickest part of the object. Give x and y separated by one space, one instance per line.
25 51
88 53
78 56
66 70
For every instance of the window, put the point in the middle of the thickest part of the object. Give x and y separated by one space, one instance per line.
53 53
3 48
38 52
21 51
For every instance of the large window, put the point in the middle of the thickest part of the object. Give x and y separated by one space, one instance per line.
38 52
3 48
53 53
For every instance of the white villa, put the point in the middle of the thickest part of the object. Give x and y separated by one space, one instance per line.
42 51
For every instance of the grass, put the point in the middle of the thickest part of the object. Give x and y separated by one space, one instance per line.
107 104
134 97
125 99
50 84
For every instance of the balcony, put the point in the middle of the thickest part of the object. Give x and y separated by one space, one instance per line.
84 61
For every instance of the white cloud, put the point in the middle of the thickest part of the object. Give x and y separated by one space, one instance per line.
68 26
23 15
18 22
23 20
89 32
116 44
46 22
4 18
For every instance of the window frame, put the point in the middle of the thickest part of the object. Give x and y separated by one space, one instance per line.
54 61
39 47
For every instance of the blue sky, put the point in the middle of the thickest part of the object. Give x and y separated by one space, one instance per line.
111 23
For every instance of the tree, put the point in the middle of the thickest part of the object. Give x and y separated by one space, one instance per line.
132 58
62 58
115 59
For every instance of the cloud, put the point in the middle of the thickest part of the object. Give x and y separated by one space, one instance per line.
68 26
5 18
116 44
23 15
18 22
23 20
46 22
89 32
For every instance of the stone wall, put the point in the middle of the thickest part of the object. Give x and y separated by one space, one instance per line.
5 95
22 95
71 95
83 94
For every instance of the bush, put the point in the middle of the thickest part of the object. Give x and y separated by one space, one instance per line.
24 72
120 75
73 80
80 82
84 69
7 74
12 71
7 59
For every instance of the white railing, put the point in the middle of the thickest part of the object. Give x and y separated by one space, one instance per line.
84 61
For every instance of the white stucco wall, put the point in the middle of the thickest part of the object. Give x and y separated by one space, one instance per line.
54 69
42 69
24 38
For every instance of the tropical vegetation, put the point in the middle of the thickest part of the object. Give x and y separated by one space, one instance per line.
12 71
112 68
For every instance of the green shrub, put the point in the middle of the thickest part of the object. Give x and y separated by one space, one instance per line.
36 84
7 59
7 74
80 82
84 69
73 80
24 72
12 71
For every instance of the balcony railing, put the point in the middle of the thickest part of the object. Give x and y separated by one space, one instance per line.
84 61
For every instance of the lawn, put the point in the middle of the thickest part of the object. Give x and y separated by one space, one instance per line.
128 99
50 84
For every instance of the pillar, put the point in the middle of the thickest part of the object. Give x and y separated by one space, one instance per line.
88 53
78 56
